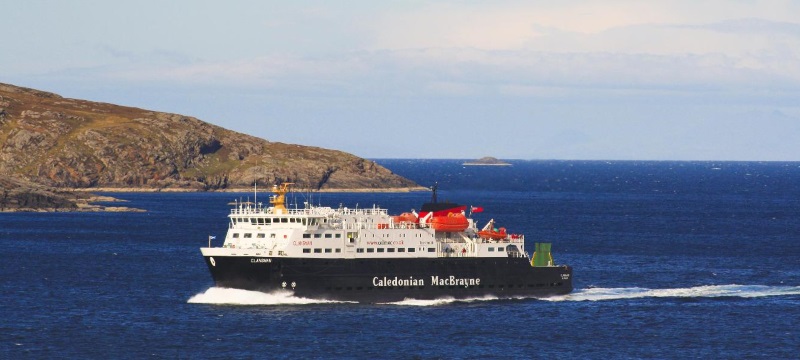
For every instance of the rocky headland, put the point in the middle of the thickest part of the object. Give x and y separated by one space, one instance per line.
22 196
58 143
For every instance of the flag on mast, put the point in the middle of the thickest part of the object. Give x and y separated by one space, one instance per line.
209 239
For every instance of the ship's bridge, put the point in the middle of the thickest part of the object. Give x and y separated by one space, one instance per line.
246 216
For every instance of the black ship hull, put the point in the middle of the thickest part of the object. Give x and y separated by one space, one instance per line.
391 280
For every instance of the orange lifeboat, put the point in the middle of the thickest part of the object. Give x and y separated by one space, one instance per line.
453 222
406 218
494 234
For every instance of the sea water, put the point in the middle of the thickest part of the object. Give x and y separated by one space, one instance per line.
671 260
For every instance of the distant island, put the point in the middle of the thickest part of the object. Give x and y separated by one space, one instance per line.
487 161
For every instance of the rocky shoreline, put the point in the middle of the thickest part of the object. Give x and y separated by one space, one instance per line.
61 201
84 200
244 190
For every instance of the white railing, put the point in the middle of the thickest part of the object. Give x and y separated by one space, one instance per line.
324 211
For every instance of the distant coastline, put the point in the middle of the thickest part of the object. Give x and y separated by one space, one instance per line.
486 161
85 199
242 189
74 201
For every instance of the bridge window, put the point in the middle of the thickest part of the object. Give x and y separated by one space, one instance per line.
317 236
267 221
261 235
338 236
248 235
260 221
328 236
284 220
253 221
306 236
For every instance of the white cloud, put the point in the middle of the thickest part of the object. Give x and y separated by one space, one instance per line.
510 25
533 70
458 71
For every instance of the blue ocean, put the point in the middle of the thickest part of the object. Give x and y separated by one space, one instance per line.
676 260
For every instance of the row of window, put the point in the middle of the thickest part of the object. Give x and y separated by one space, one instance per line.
272 236
277 220
320 250
250 235
380 250
362 250
327 236
391 250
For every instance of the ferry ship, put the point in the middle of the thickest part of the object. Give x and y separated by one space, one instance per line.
367 255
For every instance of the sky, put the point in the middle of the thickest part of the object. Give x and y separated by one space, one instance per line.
589 80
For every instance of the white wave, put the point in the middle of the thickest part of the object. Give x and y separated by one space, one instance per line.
438 302
227 296
710 291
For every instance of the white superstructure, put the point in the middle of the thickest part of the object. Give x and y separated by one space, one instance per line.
325 232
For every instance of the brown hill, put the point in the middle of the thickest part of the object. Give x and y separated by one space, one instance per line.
68 143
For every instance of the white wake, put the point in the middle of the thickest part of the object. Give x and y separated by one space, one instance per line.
227 296
441 301
708 291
